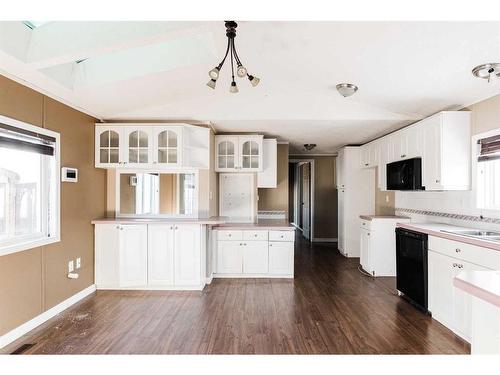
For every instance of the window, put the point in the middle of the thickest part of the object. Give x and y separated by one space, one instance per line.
29 186
488 170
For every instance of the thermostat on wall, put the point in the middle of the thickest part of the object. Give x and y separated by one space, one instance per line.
69 174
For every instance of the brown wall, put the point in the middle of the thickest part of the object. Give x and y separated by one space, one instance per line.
325 196
276 199
35 280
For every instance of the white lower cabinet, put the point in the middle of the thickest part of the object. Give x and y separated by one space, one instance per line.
251 254
154 256
281 257
449 305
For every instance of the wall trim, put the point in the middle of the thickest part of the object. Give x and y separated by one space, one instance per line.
325 240
24 328
478 218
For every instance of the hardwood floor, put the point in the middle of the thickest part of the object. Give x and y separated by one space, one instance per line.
328 308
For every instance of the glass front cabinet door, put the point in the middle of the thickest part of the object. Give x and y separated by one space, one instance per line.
250 153
167 150
138 146
108 141
227 153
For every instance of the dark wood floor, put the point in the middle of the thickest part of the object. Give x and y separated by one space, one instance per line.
328 308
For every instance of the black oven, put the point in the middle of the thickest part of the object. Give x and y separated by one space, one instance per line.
405 175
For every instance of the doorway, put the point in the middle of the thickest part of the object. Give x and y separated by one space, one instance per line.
301 193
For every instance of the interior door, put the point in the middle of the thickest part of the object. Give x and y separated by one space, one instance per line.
133 255
306 199
341 220
160 255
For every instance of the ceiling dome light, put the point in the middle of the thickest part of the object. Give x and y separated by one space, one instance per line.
214 73
233 89
309 146
241 71
487 71
346 89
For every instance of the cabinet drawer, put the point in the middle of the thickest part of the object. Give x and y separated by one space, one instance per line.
365 224
482 256
255 235
228 235
282 235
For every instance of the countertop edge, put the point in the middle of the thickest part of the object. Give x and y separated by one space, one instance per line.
449 236
476 290
383 217
201 221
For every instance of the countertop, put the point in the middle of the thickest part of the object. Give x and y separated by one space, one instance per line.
371 217
272 224
214 220
481 284
435 229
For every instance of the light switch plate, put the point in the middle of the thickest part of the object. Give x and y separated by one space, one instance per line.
78 263
71 266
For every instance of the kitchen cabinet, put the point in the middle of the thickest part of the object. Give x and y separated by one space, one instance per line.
161 254
133 252
255 253
108 146
237 197
152 146
446 259
268 178
149 256
378 245
281 258
239 153
167 143
443 143
355 197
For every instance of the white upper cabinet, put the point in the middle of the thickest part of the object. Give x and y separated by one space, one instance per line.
156 146
443 143
167 145
268 178
108 146
239 153
137 146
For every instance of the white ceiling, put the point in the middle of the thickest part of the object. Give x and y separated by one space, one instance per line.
158 70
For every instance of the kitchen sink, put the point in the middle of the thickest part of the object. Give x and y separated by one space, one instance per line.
483 234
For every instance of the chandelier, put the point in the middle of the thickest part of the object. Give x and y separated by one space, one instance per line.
241 71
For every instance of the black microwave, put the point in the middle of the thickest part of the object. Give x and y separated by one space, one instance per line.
405 175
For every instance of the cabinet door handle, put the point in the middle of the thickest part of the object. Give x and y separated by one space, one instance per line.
438 181
270 244
368 234
366 164
171 228
457 250
176 227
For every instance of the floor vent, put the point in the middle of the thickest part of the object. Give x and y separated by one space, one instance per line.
22 348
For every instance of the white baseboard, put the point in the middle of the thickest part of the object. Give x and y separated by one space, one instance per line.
208 280
250 276
325 240
43 317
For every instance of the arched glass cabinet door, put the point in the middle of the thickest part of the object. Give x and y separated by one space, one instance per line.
168 147
109 147
226 155
250 155
138 147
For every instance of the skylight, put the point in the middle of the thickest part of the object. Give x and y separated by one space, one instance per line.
34 24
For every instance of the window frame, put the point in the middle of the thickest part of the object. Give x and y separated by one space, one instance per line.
23 243
482 202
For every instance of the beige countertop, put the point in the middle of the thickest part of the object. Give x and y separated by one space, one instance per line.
371 217
481 284
214 220
260 224
436 229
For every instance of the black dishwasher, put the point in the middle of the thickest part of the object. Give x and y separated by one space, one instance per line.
411 266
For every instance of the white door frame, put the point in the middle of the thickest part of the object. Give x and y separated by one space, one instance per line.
311 193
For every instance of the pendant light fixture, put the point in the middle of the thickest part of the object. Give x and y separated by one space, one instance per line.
241 71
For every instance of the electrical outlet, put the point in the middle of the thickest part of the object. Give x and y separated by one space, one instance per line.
71 266
78 263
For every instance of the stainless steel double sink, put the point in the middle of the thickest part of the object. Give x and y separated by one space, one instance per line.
480 234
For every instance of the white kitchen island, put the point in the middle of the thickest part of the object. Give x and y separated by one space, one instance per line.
168 254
